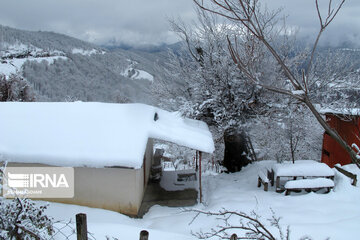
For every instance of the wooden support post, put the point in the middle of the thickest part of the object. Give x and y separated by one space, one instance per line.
196 161
348 174
266 186
81 226
144 235
270 175
200 188
233 237
277 182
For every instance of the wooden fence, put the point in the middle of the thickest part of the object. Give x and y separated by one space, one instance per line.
82 233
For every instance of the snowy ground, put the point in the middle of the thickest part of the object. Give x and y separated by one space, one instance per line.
335 215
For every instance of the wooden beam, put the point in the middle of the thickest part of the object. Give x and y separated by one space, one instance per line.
196 161
348 174
200 187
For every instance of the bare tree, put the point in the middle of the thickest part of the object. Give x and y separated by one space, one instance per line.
208 85
250 226
260 24
293 135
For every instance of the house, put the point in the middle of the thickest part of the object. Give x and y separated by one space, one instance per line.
110 146
347 123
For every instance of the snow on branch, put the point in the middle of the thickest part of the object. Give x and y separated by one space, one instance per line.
357 150
249 225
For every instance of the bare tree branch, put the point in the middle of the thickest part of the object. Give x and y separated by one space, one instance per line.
245 14
252 228
329 18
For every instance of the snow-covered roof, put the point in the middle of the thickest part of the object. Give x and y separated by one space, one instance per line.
343 111
92 134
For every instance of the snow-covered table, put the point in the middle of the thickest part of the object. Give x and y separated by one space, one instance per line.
301 168
309 184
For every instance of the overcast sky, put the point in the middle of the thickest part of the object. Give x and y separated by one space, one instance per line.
137 22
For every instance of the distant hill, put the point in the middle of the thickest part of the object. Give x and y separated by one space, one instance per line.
61 68
145 48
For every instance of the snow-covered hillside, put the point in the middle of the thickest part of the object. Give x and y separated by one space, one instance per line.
86 52
62 68
133 73
13 56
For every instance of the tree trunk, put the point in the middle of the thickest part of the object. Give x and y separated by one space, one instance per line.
236 151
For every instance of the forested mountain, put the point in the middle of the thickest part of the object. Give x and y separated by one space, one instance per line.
62 68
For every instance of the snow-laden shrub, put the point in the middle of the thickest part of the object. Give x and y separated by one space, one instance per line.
23 218
15 88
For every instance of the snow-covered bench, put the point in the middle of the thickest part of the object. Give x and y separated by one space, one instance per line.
263 179
308 184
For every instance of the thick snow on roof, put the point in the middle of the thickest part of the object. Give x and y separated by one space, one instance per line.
92 134
344 111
